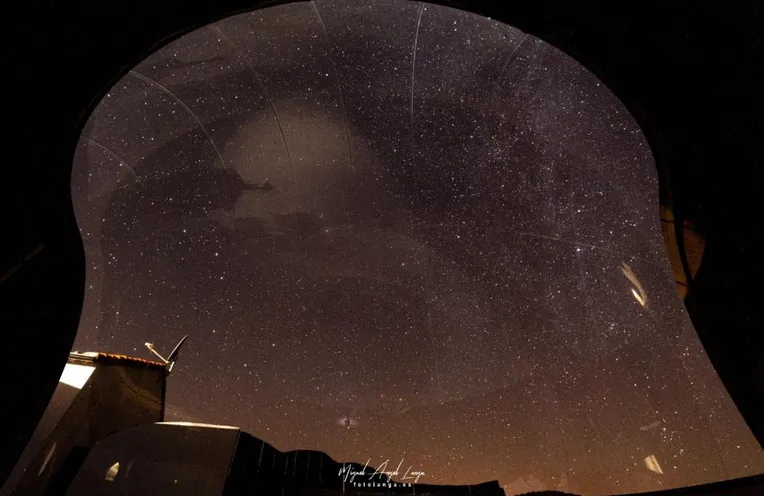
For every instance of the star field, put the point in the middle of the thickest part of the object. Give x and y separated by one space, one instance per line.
400 231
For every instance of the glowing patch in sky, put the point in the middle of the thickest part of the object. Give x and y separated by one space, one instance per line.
639 293
638 297
347 422
111 474
652 464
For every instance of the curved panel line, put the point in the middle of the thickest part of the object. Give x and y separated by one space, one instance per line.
420 10
117 158
260 83
510 57
413 64
314 7
431 335
573 243
588 245
177 100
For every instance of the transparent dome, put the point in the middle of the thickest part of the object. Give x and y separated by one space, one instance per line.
397 231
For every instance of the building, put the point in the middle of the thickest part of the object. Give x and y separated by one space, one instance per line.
103 433
97 394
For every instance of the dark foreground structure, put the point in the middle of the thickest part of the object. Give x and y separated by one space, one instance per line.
97 394
697 97
103 434
183 458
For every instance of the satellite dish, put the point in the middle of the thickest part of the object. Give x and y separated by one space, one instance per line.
174 354
169 362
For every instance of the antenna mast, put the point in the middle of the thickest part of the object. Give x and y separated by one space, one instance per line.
169 362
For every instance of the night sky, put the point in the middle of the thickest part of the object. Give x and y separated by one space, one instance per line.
399 231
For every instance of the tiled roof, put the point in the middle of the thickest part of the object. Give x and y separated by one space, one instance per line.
111 357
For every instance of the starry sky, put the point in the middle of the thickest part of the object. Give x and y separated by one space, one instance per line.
396 231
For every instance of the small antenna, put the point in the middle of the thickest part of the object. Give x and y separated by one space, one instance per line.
169 362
